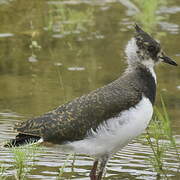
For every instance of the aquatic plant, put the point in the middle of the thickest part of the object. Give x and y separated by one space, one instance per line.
22 156
64 19
159 134
62 169
34 46
160 138
2 173
60 80
147 15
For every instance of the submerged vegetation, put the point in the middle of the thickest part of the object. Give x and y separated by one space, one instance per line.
66 20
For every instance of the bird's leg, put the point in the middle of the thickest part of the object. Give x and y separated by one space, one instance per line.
93 171
73 163
102 166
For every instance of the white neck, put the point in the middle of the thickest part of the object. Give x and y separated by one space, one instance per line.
131 52
134 60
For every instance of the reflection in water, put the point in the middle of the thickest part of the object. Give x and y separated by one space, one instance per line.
54 51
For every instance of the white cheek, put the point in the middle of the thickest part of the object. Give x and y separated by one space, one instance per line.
131 50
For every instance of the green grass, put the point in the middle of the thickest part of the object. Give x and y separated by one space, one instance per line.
161 140
62 169
159 134
23 161
2 173
22 156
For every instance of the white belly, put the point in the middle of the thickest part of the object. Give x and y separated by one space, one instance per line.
117 132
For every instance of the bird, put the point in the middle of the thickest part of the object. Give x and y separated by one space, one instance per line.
105 120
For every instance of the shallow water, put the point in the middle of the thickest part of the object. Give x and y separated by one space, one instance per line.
54 51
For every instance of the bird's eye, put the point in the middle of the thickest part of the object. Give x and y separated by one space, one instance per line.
151 48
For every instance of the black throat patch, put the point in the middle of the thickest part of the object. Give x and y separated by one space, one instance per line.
148 84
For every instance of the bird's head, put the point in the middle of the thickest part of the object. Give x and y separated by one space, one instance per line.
143 49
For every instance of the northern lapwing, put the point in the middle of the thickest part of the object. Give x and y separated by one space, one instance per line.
105 120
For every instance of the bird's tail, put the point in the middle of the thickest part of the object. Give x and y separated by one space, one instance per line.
22 139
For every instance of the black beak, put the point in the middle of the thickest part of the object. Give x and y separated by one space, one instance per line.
168 60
